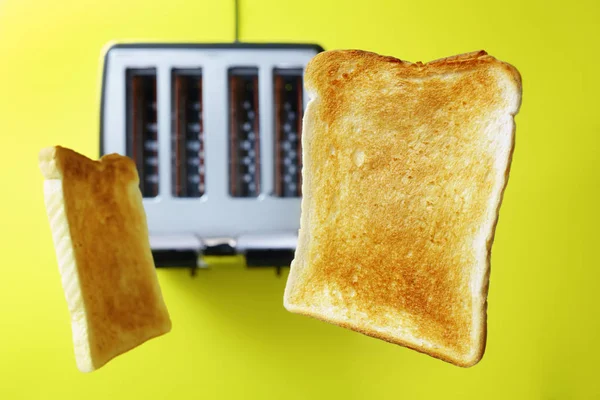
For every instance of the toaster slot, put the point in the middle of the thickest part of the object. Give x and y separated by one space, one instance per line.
244 134
141 132
188 178
287 84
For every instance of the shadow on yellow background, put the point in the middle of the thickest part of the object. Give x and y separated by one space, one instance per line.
231 336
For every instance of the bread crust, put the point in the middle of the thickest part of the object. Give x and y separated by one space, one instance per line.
117 292
405 166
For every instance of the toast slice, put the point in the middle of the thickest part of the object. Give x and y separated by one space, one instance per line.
404 169
101 240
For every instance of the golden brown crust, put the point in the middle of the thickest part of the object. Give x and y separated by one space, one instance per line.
405 164
389 338
121 295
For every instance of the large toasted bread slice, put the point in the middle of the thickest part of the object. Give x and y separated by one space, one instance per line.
404 169
101 240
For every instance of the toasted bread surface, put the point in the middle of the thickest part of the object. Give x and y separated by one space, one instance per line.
404 168
101 240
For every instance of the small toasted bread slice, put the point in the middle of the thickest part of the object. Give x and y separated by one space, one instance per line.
404 170
101 240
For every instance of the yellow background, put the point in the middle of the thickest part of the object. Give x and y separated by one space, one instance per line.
231 336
